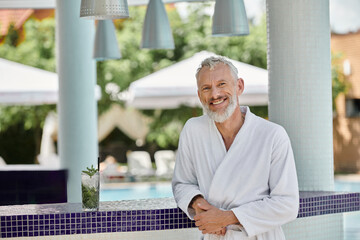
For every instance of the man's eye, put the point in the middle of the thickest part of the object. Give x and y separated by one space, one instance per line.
205 88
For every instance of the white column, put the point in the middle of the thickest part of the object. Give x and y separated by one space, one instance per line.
300 85
77 109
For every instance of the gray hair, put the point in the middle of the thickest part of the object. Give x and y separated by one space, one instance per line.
212 61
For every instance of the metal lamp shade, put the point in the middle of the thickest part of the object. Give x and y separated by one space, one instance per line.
230 18
106 46
104 9
156 29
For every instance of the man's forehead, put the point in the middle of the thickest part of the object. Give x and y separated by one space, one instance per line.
219 73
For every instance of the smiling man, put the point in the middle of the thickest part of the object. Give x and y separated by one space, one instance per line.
235 172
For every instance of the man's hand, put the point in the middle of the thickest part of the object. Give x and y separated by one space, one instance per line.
222 232
200 201
201 205
211 219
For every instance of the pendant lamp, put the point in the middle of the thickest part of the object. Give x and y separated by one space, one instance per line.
106 46
230 18
156 29
104 9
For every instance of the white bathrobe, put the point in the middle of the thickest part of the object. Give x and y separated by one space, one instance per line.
255 178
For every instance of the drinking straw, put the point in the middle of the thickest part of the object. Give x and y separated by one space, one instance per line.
98 164
99 174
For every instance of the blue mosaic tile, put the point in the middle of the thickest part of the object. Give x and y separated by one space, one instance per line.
69 219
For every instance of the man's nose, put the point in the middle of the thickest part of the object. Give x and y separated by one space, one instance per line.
215 92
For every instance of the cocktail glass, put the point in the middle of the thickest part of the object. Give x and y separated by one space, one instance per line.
90 191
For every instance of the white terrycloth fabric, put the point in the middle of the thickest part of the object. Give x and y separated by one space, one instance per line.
255 178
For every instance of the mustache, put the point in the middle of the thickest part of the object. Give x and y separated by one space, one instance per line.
217 98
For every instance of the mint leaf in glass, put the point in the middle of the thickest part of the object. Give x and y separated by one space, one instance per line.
90 171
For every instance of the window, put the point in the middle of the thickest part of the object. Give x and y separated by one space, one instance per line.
353 107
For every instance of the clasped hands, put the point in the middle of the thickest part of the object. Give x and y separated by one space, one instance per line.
209 219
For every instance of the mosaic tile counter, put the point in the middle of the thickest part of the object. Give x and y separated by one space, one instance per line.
121 218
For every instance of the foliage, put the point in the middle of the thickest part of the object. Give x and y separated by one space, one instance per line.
339 85
90 171
13 36
168 124
90 197
17 145
196 32
261 111
29 116
37 50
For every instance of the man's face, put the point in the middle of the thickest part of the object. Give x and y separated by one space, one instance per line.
218 91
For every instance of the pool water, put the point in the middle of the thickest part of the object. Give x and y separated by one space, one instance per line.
139 191
161 190
351 219
347 186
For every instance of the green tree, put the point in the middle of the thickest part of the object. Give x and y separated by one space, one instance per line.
37 50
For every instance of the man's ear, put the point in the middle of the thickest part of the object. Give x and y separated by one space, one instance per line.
198 93
240 86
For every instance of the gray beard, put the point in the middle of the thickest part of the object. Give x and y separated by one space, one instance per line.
221 117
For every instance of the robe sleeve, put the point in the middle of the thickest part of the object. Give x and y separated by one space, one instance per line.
282 205
184 183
